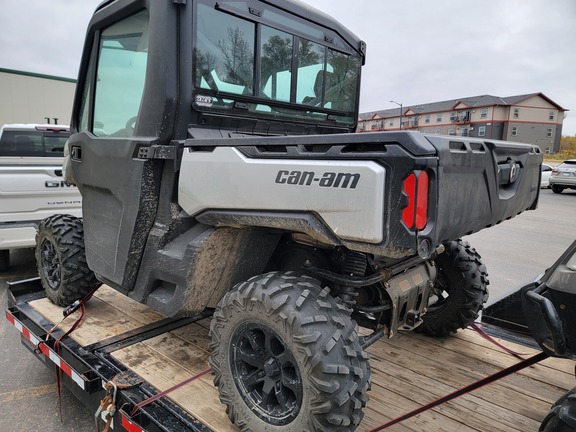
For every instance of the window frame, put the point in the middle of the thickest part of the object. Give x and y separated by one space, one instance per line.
481 131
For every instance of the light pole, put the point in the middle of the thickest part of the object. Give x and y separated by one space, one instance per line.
400 105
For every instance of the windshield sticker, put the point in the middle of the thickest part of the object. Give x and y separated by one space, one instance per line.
204 101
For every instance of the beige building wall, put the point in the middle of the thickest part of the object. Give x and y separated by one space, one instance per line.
30 98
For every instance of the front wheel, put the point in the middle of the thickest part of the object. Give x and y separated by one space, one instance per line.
286 357
461 289
61 260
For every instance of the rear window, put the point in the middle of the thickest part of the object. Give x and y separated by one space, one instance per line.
568 164
32 143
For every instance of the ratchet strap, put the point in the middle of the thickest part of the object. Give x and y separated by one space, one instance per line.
476 385
157 396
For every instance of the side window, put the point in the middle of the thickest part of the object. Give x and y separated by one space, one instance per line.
310 73
224 52
276 66
121 73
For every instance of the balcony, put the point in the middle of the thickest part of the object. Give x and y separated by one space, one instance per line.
460 118
411 124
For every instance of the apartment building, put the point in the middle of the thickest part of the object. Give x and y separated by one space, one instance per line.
530 118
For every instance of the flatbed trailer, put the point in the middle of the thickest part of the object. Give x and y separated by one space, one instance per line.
121 336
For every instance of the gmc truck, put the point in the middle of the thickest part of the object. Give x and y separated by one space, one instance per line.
31 183
213 144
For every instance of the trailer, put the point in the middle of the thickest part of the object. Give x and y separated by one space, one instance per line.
127 352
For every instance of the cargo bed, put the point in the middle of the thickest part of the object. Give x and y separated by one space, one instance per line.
409 370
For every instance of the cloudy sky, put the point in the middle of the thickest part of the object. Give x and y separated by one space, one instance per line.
419 51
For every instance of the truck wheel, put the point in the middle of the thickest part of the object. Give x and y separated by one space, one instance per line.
557 189
61 260
4 260
286 357
461 288
562 416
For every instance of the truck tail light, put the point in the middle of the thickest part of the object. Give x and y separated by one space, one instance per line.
416 186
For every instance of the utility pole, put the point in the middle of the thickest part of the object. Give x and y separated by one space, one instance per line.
400 105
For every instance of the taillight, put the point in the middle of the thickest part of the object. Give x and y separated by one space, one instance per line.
416 187
555 171
410 191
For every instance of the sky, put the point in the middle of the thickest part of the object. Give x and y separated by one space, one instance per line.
419 51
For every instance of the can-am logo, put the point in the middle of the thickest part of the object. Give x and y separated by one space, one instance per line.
309 178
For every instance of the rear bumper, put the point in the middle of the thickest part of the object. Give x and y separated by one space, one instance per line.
18 236
566 182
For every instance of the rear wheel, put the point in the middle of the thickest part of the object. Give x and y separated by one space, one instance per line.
562 416
61 260
286 357
461 289
557 189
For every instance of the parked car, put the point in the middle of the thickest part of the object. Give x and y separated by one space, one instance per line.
564 176
546 173
32 186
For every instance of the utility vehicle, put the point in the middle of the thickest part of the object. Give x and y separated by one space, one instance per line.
213 143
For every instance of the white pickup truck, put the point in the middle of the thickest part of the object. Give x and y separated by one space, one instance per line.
31 183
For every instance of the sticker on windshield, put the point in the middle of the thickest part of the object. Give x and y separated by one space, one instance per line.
204 101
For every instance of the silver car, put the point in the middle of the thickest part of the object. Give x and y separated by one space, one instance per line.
564 176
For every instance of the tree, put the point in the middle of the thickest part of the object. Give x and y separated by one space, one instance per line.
239 58
568 145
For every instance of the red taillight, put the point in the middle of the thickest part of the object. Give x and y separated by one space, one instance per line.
415 215
555 171
422 201
410 191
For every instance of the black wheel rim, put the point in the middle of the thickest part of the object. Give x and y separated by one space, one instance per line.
50 264
266 373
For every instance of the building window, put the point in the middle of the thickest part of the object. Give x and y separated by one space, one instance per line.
516 113
437 131
549 132
451 131
382 124
481 130
514 130
427 118
438 118
484 113
362 125
551 115
374 126
391 123
464 132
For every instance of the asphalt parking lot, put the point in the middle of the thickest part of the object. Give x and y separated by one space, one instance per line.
515 252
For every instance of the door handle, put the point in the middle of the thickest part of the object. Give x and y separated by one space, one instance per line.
76 153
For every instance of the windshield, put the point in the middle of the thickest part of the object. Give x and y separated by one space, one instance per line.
256 69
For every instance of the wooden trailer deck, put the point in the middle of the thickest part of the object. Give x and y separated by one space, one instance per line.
408 371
